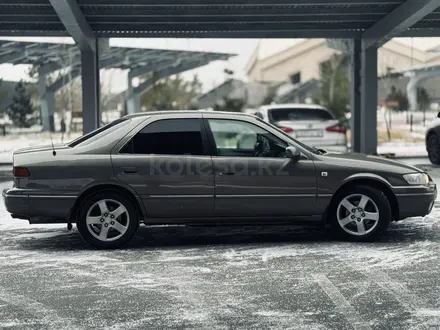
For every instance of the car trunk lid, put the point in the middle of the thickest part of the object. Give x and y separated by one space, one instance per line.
47 147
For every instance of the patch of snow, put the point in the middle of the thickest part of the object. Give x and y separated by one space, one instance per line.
377 255
14 324
273 314
403 149
429 312
182 258
42 235
40 259
10 143
138 324
203 270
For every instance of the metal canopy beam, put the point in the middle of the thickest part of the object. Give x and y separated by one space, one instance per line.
165 72
64 80
133 95
250 34
12 57
149 68
400 19
147 3
422 32
73 19
237 12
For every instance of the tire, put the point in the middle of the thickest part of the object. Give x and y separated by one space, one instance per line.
433 147
374 216
114 211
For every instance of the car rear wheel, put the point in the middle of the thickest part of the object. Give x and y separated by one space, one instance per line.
433 147
107 220
360 213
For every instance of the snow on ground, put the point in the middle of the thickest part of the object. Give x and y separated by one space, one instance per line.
10 143
403 149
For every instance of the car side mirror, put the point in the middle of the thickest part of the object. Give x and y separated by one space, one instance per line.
438 115
292 153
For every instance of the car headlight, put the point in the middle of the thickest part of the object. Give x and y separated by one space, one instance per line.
416 178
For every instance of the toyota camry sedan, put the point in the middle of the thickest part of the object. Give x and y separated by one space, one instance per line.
208 168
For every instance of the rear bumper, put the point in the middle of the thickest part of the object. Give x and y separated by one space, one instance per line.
38 208
16 202
417 201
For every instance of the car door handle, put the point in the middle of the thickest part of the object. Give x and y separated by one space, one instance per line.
226 173
130 170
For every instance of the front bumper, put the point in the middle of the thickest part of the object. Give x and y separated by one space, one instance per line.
415 201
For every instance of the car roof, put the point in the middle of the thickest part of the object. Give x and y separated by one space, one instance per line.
293 105
172 113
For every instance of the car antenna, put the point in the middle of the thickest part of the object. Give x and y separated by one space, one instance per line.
53 148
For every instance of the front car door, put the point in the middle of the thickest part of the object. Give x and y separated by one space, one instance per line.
166 164
252 176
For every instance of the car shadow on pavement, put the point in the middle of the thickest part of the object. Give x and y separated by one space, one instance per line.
183 236
189 236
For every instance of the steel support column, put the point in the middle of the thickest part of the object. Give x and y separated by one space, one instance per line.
131 107
135 102
356 95
47 105
368 120
90 89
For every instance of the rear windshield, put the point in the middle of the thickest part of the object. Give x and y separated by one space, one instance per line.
97 131
293 114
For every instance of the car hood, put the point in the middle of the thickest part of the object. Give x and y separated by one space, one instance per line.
363 161
47 147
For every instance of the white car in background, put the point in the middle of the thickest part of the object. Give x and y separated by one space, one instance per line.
312 124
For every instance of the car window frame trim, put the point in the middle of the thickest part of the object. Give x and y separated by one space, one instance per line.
150 120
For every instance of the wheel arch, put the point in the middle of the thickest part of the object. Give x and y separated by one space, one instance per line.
106 186
371 181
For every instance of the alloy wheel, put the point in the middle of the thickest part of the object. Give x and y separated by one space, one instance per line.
107 220
358 214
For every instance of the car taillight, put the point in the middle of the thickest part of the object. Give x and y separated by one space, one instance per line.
336 129
286 129
21 172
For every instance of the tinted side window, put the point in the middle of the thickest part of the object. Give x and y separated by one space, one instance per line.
168 137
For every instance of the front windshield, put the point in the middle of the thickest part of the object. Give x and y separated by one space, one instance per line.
305 146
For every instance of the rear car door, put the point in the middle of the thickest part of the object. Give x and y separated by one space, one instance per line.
252 182
166 164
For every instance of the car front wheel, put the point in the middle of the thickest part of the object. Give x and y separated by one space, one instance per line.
360 213
107 220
